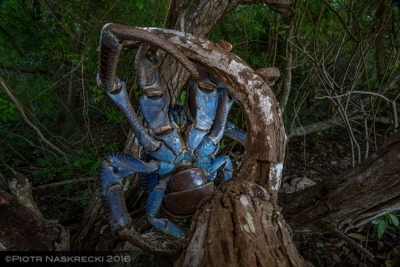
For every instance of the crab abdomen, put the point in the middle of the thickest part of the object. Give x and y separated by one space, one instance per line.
185 190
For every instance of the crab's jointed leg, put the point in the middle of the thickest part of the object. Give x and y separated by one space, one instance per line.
112 41
177 116
236 134
111 170
155 148
210 143
153 206
203 101
218 162
154 103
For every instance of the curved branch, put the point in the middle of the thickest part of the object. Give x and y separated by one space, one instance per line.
327 124
266 136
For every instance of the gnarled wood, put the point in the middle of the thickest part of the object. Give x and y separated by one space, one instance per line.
263 161
240 226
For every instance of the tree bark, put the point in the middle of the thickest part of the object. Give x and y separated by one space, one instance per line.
239 226
262 163
368 191
22 227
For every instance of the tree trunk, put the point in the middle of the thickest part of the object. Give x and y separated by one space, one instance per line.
368 191
239 226
243 210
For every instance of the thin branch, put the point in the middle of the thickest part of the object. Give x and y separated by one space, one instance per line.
350 241
64 183
341 20
5 163
26 70
393 103
327 124
21 110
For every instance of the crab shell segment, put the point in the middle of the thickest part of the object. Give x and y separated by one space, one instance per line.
185 191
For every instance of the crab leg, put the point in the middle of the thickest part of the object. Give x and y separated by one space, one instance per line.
155 148
111 170
210 142
111 44
154 103
220 161
153 207
234 133
176 115
203 99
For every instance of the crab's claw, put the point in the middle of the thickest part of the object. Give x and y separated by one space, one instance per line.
113 37
113 198
116 166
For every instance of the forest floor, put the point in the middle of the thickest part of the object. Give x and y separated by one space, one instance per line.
317 156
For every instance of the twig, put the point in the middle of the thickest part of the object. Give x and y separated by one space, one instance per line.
64 183
30 143
393 103
350 241
183 8
21 110
341 20
5 163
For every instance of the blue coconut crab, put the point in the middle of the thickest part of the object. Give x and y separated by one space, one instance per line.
180 158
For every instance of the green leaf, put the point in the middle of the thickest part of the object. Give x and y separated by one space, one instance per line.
283 57
377 220
394 219
381 228
357 236
84 202
320 245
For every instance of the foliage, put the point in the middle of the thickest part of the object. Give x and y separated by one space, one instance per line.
8 111
49 60
384 222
